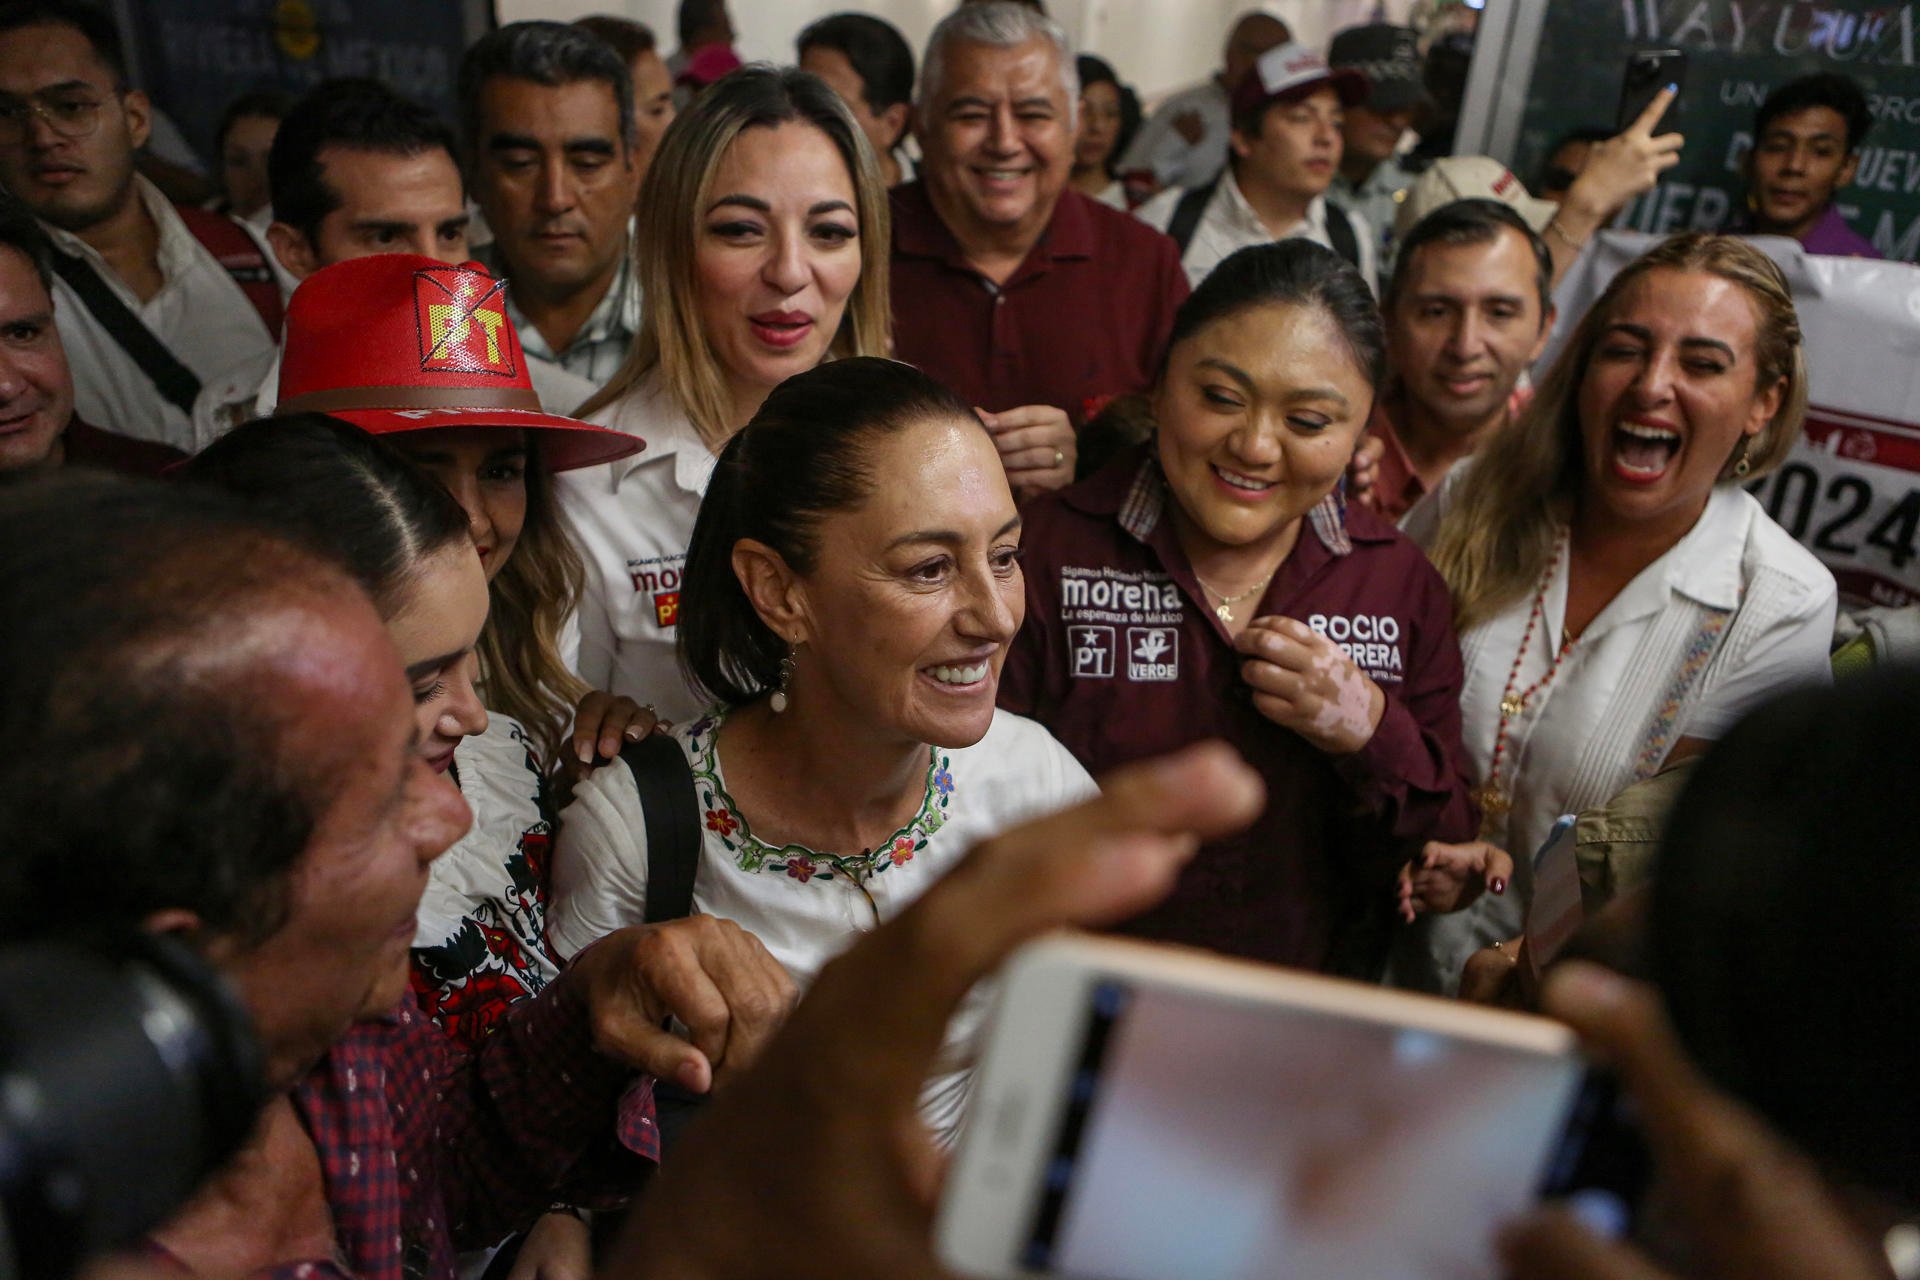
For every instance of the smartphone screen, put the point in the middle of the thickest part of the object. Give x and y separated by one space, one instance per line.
1206 1138
1648 72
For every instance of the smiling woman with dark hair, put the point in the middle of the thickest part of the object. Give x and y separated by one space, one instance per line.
850 592
1213 583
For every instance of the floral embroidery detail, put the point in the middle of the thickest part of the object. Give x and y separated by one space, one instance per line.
803 865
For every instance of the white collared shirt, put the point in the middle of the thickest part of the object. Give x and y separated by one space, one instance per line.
1652 668
633 519
801 906
1228 223
600 347
199 313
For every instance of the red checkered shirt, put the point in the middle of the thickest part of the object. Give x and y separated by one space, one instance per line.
428 1149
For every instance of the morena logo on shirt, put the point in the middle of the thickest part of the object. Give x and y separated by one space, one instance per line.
1103 592
659 578
1108 608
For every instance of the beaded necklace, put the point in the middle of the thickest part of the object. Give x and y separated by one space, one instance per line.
1496 801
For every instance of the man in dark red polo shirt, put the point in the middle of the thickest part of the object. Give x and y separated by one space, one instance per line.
1024 296
1122 656
1468 310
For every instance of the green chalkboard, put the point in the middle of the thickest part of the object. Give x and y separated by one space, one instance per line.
196 56
1737 51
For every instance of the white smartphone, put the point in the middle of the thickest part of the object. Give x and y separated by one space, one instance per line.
1153 1113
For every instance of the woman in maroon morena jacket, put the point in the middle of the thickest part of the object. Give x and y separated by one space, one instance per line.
1213 583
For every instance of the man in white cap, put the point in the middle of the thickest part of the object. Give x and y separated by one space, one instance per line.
1285 150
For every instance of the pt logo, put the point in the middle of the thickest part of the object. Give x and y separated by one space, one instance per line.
666 608
1153 653
1092 649
462 322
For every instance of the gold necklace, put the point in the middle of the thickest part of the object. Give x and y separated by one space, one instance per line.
1223 610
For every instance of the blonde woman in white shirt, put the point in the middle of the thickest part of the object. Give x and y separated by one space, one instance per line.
852 587
1622 600
761 247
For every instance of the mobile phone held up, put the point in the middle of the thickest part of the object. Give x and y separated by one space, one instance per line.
1150 1113
1648 72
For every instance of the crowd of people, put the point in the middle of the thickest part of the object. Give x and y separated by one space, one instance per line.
628 609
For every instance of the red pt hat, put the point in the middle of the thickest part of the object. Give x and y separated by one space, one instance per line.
400 342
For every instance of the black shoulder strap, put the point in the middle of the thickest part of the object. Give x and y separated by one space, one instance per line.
664 780
1340 231
173 380
1186 214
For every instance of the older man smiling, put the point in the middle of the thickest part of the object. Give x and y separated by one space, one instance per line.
1028 298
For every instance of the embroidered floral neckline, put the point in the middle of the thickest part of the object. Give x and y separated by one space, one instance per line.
752 854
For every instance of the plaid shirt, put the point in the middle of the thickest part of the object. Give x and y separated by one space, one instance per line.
600 348
428 1149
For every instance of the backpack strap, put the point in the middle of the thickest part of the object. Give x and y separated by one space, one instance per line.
242 258
1186 214
177 384
1340 232
664 780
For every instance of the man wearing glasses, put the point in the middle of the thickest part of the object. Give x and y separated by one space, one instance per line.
151 301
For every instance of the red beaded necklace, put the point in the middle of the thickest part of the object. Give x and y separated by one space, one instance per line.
1496 801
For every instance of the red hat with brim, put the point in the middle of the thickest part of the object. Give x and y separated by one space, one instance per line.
1288 73
399 342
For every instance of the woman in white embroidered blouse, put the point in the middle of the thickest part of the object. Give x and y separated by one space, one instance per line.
1622 601
852 585
762 248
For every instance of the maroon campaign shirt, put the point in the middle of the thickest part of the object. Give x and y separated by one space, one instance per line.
89 446
1083 318
1122 658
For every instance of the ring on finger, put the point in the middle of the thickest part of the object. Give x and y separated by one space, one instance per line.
1059 457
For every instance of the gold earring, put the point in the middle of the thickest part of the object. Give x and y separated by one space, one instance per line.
1741 464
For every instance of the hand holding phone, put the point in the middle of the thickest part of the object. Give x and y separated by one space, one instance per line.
1650 73
1622 168
1145 1112
1741 1201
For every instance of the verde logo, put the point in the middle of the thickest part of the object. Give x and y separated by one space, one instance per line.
1153 653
